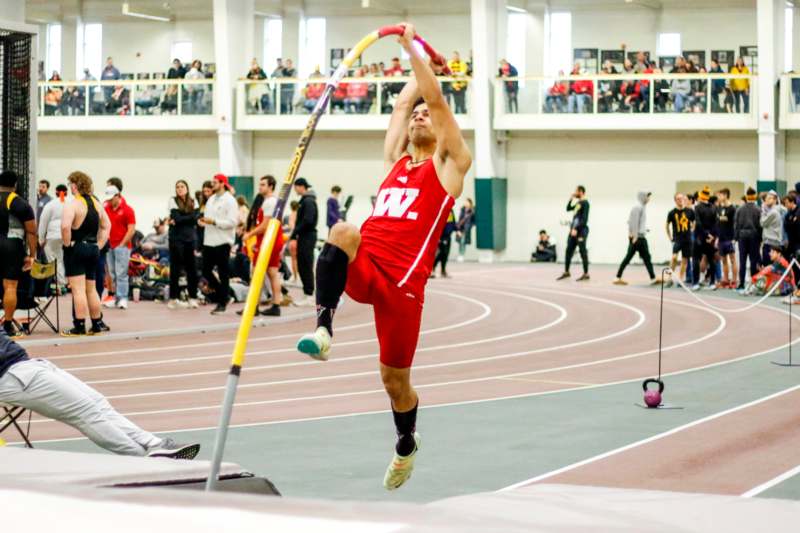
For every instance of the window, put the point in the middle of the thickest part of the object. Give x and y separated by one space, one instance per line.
558 43
788 28
90 49
181 50
312 46
668 45
515 41
273 36
53 52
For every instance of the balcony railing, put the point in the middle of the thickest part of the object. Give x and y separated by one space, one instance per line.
126 104
357 104
626 101
790 102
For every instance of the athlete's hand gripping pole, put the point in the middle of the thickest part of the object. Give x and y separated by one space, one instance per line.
274 226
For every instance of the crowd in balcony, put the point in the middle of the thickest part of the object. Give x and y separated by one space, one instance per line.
360 94
125 99
575 93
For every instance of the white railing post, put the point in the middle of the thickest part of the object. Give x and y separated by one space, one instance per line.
595 87
179 87
378 96
709 93
651 96
278 91
132 100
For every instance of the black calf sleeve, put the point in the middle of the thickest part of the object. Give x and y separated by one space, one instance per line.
405 423
331 280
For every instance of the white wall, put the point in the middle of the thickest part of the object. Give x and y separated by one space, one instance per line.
700 29
543 170
149 164
145 46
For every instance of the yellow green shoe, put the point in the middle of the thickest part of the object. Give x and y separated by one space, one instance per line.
399 470
316 345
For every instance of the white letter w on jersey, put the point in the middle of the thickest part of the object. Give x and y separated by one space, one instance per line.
394 202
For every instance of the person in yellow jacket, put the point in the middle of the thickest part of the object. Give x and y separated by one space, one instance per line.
458 88
741 87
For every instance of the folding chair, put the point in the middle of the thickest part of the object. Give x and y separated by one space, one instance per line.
9 416
34 285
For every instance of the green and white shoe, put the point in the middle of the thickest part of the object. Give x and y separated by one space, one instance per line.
316 345
399 470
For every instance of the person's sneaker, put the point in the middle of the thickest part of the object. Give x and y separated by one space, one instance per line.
99 327
399 470
564 275
123 303
76 331
584 277
193 303
177 304
696 287
218 309
11 330
109 302
669 284
620 281
306 301
656 281
273 310
316 345
788 300
173 450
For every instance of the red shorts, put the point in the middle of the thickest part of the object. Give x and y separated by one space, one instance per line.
275 258
398 312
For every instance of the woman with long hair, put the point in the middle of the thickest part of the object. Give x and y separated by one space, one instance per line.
182 243
741 87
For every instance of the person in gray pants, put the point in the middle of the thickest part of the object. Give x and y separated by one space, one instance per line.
42 387
637 241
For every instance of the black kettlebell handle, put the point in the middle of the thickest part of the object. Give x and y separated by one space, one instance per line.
647 382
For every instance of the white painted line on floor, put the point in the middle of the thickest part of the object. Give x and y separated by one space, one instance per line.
648 440
772 482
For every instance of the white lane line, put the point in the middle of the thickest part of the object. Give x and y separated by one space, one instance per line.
648 440
487 310
755 491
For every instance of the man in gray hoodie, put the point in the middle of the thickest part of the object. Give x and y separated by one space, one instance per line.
771 226
637 242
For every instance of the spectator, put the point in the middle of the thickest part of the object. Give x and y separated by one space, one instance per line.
726 215
680 228
458 87
680 63
109 72
697 100
203 195
195 92
219 219
53 97
556 98
356 94
445 243
258 93
39 385
507 70
545 252
393 89
17 227
291 223
182 242
705 236
156 244
119 101
771 274
395 69
747 231
466 219
631 95
314 92
578 232
42 198
741 87
263 214
304 237
244 210
660 92
177 71
580 93
287 89
681 90
608 90
791 225
637 240
123 226
717 87
333 214
771 226
50 233
85 229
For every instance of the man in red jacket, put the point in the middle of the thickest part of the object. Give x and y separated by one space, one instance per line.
580 93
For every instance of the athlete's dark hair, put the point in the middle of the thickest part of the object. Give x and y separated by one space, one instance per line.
45 182
336 188
751 191
116 182
419 101
726 191
582 189
8 178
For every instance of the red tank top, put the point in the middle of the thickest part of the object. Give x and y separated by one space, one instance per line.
402 233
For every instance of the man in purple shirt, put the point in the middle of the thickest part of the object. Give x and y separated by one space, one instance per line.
334 212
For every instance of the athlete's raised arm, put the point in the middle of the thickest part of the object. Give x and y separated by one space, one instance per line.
396 142
452 157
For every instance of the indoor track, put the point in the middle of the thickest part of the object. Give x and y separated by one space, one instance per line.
567 359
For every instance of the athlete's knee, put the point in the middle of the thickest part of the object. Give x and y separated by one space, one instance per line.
396 382
345 236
